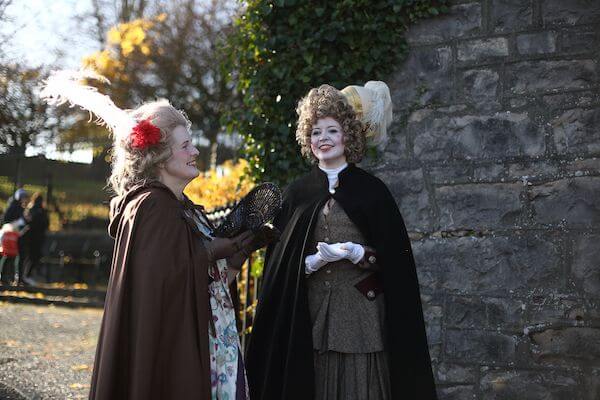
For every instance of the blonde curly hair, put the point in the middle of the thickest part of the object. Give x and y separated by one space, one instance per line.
131 166
326 101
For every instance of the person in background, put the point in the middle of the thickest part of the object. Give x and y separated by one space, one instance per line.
16 206
9 250
33 241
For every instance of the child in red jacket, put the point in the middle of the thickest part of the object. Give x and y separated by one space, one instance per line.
9 248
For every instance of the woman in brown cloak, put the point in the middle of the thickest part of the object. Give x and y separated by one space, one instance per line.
168 296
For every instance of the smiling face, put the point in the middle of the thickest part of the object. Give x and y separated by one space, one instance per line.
181 166
327 143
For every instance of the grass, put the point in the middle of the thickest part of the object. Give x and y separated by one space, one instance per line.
77 199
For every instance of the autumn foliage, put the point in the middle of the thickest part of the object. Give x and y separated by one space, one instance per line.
126 43
223 185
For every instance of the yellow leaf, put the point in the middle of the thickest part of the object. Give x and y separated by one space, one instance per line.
80 367
114 35
127 48
79 386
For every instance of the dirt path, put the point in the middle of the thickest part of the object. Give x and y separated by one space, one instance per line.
46 352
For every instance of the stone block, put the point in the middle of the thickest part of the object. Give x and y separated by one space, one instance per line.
429 281
433 323
579 40
532 171
396 149
458 392
448 373
431 259
480 88
466 312
475 346
510 15
463 20
479 206
482 50
451 173
505 313
572 202
585 267
576 132
571 100
536 43
573 12
529 385
545 76
565 345
494 266
409 191
443 137
549 310
424 78
588 166
591 388
489 172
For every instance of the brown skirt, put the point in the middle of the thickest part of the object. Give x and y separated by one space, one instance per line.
351 376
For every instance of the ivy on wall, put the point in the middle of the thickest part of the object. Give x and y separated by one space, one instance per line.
283 48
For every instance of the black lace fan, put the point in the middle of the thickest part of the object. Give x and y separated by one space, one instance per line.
257 208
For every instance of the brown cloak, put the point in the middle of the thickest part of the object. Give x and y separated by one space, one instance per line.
153 342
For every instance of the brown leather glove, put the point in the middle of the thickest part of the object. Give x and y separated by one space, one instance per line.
261 238
237 260
264 236
225 247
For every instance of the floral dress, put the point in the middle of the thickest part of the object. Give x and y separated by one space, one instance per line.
228 377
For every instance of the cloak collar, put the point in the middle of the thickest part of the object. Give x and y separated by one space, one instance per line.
319 177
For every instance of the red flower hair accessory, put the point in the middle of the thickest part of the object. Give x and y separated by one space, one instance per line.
144 134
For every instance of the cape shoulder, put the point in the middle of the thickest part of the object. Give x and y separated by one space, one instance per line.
152 202
357 181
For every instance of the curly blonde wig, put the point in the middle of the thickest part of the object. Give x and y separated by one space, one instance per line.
131 166
326 101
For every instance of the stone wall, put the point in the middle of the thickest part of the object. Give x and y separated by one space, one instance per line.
493 159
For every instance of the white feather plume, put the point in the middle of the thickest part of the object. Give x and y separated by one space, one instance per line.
65 86
379 115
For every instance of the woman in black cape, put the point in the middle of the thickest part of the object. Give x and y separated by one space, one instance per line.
339 314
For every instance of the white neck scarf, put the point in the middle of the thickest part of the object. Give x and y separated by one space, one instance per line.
332 176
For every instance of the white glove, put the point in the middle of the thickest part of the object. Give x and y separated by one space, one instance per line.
313 263
349 250
355 252
332 252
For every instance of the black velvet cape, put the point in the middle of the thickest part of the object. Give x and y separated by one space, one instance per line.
280 352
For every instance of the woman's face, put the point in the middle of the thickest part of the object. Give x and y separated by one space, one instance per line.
327 142
181 166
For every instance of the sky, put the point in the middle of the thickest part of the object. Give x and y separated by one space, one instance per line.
45 27
47 32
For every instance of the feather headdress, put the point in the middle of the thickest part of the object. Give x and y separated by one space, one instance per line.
373 106
66 86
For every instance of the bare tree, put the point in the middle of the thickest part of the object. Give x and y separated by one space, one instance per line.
24 118
4 19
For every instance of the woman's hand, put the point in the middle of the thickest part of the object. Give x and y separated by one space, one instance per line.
219 248
236 261
313 263
337 251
